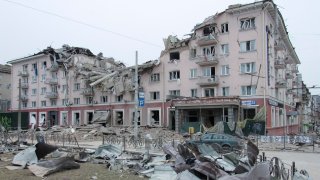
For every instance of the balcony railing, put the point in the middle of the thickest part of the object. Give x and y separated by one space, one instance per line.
52 95
87 92
279 64
24 73
24 98
206 40
208 81
281 83
52 81
207 60
24 85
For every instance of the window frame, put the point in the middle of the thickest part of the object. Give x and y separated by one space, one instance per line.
174 75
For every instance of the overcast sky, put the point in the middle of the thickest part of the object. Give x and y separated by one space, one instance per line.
118 28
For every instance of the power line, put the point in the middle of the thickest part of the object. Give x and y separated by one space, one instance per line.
82 23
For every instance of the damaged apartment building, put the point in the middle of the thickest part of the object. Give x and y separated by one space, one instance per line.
232 65
72 86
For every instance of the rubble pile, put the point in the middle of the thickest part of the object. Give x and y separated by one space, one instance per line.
180 160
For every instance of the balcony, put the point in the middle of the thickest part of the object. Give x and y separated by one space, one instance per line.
23 73
278 45
281 83
288 60
24 85
87 92
207 60
207 40
279 63
289 75
52 81
208 81
52 95
24 98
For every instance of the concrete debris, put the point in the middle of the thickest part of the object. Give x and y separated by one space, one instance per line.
44 168
163 172
108 151
26 157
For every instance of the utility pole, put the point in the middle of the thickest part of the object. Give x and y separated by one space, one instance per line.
19 110
136 98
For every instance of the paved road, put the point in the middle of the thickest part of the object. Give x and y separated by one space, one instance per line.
307 161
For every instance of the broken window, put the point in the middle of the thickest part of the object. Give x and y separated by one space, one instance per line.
246 46
64 74
247 23
89 100
208 30
138 117
248 90
53 102
225 91
174 92
76 86
225 49
174 75
174 56
225 70
119 117
64 102
155 95
44 65
155 77
76 100
208 51
209 92
25 92
43 103
248 67
194 93
193 53
155 117
35 69
209 72
224 28
104 99
119 98
24 104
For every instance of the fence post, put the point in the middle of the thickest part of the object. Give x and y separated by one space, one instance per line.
124 143
173 143
263 156
102 139
293 169
63 140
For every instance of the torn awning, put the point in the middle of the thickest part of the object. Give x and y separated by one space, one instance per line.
101 116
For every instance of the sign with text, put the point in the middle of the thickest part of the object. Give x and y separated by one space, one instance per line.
141 99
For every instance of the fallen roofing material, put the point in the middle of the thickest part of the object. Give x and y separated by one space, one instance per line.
107 151
44 168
